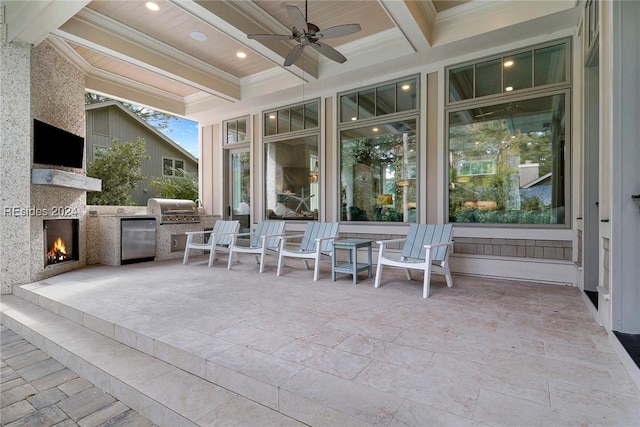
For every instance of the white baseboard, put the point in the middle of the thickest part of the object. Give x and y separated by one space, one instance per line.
524 269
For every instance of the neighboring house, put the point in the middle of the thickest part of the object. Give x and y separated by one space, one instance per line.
110 120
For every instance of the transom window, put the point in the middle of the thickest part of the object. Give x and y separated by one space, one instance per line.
378 101
509 73
295 118
235 131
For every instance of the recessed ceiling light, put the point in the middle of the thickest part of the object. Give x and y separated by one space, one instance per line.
241 55
354 118
508 88
152 6
199 36
272 116
406 87
375 129
508 63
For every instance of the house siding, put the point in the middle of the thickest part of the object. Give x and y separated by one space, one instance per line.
126 129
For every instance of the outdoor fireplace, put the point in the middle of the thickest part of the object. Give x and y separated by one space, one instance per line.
60 241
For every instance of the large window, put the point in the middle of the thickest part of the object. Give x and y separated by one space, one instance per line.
509 154
378 172
508 162
378 152
291 162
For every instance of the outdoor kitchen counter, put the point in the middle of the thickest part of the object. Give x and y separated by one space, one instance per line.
104 236
171 238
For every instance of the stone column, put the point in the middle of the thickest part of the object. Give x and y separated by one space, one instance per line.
15 163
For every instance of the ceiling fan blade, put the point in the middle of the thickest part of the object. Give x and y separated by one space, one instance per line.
293 55
339 31
297 18
329 52
270 36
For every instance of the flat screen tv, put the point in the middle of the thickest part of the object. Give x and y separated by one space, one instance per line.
56 147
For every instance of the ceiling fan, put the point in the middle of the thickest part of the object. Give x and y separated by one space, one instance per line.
308 34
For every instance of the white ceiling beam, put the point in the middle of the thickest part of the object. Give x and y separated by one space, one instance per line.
481 17
101 34
33 21
119 87
414 19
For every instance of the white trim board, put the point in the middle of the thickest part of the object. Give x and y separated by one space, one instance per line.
511 268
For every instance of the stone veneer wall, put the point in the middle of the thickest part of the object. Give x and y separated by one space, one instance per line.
15 162
57 98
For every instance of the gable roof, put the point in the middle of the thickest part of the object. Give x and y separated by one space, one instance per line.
544 179
117 104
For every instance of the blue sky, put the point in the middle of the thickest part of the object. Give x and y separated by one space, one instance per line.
184 132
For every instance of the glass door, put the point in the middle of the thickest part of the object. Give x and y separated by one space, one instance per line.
239 191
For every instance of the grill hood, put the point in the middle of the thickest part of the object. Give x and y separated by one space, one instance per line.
173 210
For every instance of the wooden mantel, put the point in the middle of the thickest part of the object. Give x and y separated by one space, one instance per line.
66 179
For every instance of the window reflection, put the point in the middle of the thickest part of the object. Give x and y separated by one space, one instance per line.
292 179
507 162
378 172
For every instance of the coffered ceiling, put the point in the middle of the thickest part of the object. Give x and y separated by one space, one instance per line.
131 52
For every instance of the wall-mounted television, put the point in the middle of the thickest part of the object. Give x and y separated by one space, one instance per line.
56 147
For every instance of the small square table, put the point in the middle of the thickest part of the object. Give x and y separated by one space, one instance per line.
351 266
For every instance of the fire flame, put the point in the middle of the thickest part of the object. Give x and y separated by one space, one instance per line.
58 251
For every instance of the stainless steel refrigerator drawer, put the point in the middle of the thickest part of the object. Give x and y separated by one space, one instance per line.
138 239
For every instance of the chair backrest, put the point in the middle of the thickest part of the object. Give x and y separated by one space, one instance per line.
221 226
319 230
425 234
267 228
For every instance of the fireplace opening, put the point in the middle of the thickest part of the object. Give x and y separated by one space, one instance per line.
60 241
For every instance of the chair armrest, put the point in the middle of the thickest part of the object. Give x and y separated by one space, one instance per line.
293 236
320 239
435 245
239 234
196 232
236 235
272 235
385 242
264 238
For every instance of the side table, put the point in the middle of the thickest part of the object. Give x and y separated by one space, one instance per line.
351 266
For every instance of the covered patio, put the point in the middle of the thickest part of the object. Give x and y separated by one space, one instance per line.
191 345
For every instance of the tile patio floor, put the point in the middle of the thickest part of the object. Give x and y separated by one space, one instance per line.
485 352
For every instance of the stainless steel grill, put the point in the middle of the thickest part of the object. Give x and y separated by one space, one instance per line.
173 211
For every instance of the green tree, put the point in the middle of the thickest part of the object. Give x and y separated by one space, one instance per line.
183 185
120 169
156 119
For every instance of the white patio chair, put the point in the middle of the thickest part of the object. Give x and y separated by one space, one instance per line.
264 239
426 248
316 243
218 241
